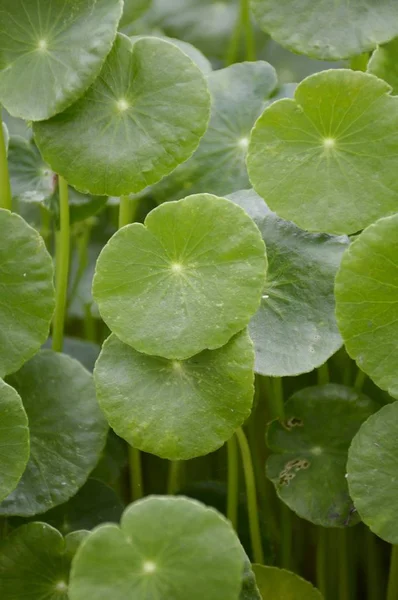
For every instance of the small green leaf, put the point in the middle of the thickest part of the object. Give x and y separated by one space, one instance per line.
367 302
143 116
165 548
384 64
294 329
31 178
188 280
94 503
51 52
67 432
372 472
239 94
310 452
176 409
280 584
35 561
14 439
26 292
328 29
326 160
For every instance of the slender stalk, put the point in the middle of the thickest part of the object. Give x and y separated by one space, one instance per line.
359 380
323 374
82 244
321 561
136 482
360 62
392 589
344 566
374 578
233 46
90 325
254 524
275 400
45 229
248 28
233 482
62 252
5 187
173 482
126 209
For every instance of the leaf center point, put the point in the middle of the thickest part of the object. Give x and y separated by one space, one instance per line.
122 105
329 143
149 566
42 45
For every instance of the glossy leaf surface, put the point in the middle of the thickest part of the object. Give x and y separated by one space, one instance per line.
176 409
14 439
372 468
188 279
328 30
26 292
67 432
310 452
326 160
51 52
294 329
182 559
143 116
367 302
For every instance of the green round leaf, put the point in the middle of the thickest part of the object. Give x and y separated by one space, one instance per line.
35 561
328 30
94 503
14 439
67 432
310 452
384 64
144 115
176 409
326 160
51 52
239 94
367 302
26 292
31 178
294 329
196 555
372 472
280 584
188 279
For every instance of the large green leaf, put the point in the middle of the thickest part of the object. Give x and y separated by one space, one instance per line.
326 160
14 439
35 561
51 52
367 302
328 29
310 452
26 292
372 472
67 432
279 584
239 94
176 409
384 64
143 116
194 54
188 279
294 329
165 548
